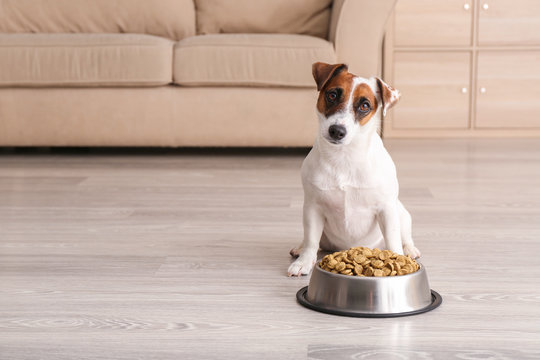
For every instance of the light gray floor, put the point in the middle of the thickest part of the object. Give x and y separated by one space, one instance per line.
185 257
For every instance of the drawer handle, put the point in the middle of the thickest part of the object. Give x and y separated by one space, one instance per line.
485 6
483 90
466 6
463 90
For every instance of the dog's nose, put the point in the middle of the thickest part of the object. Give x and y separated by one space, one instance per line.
337 132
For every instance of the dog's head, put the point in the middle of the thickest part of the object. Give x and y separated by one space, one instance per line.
349 104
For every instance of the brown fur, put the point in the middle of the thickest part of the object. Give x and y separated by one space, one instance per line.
364 91
343 81
323 72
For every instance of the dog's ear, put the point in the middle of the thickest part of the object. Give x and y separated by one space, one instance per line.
323 72
389 96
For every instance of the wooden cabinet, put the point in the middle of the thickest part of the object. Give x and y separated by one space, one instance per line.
509 89
433 22
504 22
465 68
441 94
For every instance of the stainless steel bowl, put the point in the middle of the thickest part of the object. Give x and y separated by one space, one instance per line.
369 296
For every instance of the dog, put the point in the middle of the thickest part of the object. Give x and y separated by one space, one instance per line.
349 179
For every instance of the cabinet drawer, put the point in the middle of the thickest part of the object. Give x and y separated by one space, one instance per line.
435 90
433 22
508 89
504 22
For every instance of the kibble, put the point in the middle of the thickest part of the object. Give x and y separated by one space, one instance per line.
362 261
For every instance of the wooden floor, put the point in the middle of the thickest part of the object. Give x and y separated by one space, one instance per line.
179 255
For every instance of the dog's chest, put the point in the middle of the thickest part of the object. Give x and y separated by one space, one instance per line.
350 199
347 200
350 214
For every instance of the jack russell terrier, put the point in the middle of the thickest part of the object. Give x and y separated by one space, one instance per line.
349 179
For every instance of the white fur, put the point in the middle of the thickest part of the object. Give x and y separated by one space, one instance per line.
351 191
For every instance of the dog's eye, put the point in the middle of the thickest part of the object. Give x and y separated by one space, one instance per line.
364 106
331 96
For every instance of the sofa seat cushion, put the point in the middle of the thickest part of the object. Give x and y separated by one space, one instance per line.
84 60
249 60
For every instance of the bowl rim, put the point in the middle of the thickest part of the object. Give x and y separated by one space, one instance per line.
370 278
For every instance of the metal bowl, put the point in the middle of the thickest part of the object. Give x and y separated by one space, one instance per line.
364 296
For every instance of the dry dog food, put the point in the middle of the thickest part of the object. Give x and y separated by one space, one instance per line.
362 261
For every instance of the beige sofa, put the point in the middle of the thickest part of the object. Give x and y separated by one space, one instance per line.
175 72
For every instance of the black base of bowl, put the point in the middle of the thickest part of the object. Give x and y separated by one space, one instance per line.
436 300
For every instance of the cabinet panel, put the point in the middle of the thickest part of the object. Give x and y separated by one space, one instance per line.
504 22
435 90
433 22
508 89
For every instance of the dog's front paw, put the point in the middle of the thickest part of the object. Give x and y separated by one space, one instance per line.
301 267
412 251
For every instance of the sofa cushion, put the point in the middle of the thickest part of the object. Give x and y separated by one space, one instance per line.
249 59
84 60
308 17
174 19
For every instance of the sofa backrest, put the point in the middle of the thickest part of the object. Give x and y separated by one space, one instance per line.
309 17
173 19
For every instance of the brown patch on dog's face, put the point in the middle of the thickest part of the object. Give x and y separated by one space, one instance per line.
364 103
334 95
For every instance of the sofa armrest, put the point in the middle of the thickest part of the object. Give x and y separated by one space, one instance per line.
356 30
